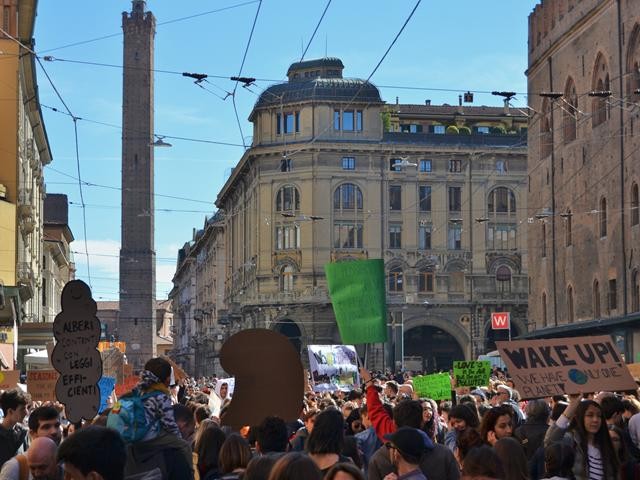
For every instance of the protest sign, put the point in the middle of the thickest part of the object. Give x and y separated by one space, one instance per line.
333 367
634 370
474 373
76 356
543 368
358 299
41 385
9 379
127 385
106 386
269 379
436 386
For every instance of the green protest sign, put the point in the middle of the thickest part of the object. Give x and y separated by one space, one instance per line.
358 299
474 373
436 386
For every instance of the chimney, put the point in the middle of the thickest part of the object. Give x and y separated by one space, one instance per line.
397 100
506 106
459 100
427 102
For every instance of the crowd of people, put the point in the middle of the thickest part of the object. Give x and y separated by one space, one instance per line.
381 431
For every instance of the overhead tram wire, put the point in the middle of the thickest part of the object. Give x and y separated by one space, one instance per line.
315 30
77 149
175 20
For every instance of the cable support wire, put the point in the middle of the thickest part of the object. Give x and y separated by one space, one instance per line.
315 30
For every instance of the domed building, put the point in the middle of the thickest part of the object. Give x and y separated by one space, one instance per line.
335 173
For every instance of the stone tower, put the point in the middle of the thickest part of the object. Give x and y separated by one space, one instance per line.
137 322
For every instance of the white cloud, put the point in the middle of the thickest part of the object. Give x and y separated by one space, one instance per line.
103 255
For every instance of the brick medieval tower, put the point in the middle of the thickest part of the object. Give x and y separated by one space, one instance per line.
137 322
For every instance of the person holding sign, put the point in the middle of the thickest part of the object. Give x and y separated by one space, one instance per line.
583 427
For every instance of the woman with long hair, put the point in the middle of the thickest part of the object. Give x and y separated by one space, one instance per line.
512 457
461 417
497 423
295 466
235 455
583 427
326 441
208 450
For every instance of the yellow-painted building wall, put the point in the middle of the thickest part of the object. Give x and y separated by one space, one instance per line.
7 243
9 68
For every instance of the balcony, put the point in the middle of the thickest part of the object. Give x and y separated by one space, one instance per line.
25 204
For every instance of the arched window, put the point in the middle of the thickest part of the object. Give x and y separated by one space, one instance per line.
633 62
635 205
546 145
395 279
570 111
597 312
568 235
502 200
544 309
600 83
503 279
635 290
288 199
570 312
426 280
603 217
286 278
347 197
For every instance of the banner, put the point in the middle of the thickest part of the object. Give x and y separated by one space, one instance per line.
634 370
436 386
474 373
358 298
333 367
126 386
543 368
9 379
41 385
106 386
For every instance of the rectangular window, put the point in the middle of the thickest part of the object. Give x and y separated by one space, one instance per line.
336 119
501 167
395 197
285 165
297 121
289 122
347 235
424 237
425 166
613 294
44 292
455 199
394 165
287 237
501 237
278 124
482 130
426 282
411 128
348 163
359 120
438 129
424 192
455 236
347 121
395 236
455 166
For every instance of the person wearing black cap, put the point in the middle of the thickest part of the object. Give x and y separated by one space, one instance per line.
406 447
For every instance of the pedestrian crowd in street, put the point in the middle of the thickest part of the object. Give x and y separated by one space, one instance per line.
380 431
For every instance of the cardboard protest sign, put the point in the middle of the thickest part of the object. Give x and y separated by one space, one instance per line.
436 386
106 386
9 379
41 385
474 373
333 367
358 299
76 356
269 379
542 368
634 370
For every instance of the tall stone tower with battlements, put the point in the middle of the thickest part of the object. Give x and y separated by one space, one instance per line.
137 323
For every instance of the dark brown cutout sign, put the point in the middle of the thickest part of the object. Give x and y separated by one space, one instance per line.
269 377
76 356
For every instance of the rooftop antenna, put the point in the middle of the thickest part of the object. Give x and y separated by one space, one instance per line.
326 43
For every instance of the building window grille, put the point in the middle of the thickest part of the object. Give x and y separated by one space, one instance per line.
455 236
501 167
395 236
424 237
425 166
424 193
287 237
503 279
288 199
395 280
347 197
455 199
502 237
348 163
347 235
455 166
286 279
613 295
426 281
502 200
395 197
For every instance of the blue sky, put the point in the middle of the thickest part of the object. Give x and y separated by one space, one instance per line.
465 45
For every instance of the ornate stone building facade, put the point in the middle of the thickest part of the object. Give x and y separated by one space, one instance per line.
25 151
584 170
335 174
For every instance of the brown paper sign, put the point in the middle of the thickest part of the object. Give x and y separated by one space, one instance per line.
41 385
9 379
542 368
634 369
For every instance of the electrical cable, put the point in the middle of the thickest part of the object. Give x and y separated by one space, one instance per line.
315 29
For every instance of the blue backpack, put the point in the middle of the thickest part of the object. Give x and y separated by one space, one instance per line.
128 418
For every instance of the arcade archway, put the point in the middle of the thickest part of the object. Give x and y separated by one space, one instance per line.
291 330
431 346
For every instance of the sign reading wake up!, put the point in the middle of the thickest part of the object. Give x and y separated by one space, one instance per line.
542 368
